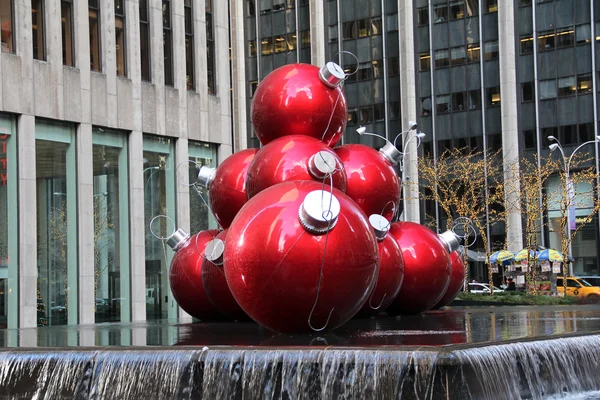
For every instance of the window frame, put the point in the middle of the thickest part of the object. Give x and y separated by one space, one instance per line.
95 9
121 16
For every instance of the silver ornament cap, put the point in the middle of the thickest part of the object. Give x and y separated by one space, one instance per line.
206 176
214 251
319 211
177 239
321 164
451 241
332 75
391 153
380 225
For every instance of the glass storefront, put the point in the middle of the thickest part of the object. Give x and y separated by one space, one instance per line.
111 227
56 193
8 225
202 154
159 199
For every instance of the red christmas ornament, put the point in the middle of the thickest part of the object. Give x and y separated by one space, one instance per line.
227 185
281 242
457 280
294 158
214 281
185 274
372 180
427 266
391 269
299 99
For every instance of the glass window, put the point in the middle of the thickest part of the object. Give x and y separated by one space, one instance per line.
529 139
474 99
491 50
7 41
492 5
567 134
305 36
424 62
572 283
280 45
167 42
583 34
527 91
111 233
425 106
120 37
56 193
392 22
252 48
349 30
458 55
459 101
159 199
457 9
473 53
375 27
251 8
524 2
441 58
210 49
492 96
393 66
379 112
394 110
586 132
565 37
567 86
94 18
440 13
377 68
423 16
365 115
37 29
332 34
442 104
266 46
526 44
9 295
189 45
546 40
66 21
584 83
145 40
291 41
548 89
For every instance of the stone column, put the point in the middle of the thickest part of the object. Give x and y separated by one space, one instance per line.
182 193
238 48
317 32
510 127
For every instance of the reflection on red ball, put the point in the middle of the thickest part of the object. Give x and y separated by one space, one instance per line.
217 290
227 190
457 280
372 180
389 280
427 267
292 100
273 264
288 159
185 277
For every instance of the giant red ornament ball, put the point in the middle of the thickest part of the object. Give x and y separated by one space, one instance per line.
294 158
273 261
391 270
185 275
214 281
300 99
457 280
427 268
372 180
227 185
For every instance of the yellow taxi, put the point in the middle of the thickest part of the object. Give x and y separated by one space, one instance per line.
579 287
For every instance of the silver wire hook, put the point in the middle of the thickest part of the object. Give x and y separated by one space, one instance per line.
198 166
380 303
342 64
466 224
201 253
159 237
393 212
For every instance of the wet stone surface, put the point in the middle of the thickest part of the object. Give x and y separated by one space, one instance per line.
446 327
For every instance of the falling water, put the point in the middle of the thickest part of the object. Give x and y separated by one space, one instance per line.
536 370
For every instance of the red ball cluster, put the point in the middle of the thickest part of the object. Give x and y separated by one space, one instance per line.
307 241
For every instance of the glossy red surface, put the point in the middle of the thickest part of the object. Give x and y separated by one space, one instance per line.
273 264
457 280
372 180
185 277
389 280
292 100
227 191
287 159
427 268
217 290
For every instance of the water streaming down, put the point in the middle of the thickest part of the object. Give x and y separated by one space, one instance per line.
535 369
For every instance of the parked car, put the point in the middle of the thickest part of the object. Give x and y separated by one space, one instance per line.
577 286
483 288
593 280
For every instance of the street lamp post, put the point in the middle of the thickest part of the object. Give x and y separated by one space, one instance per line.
568 185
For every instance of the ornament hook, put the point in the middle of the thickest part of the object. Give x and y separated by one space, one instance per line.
461 227
314 306
158 236
342 64
380 303
198 166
